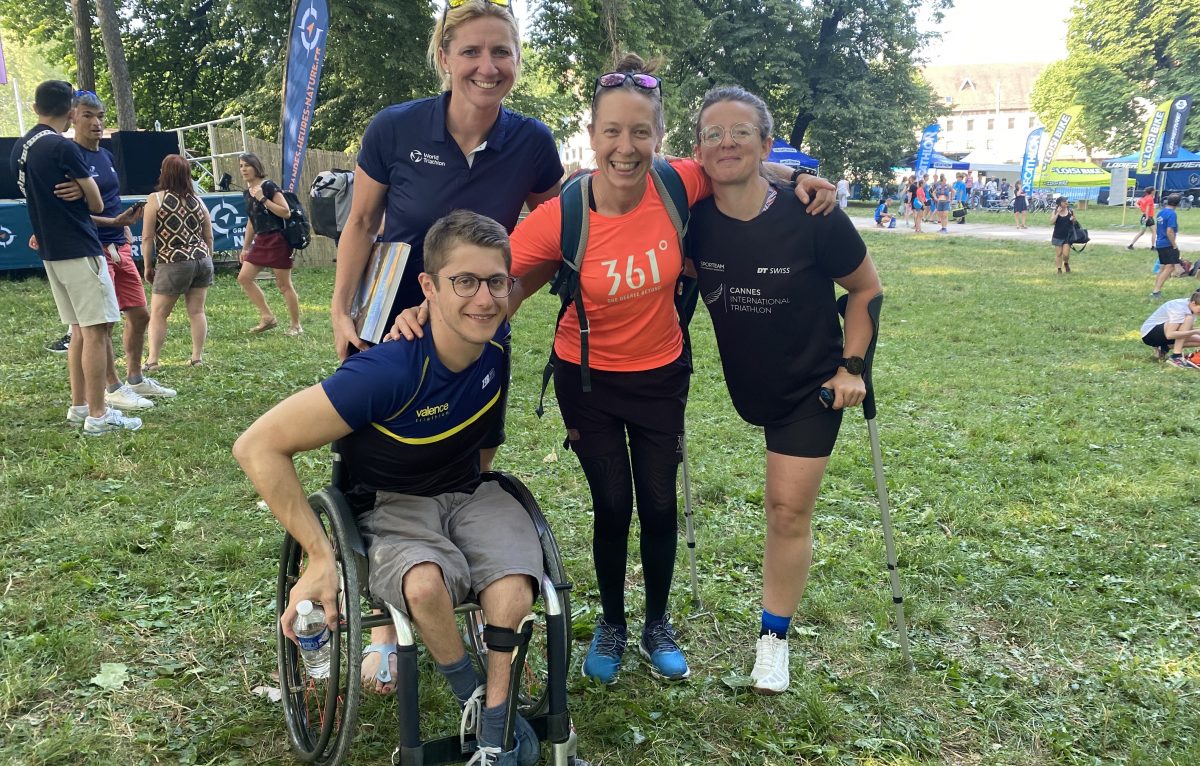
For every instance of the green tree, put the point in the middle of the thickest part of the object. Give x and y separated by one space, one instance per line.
839 75
540 94
29 64
1121 57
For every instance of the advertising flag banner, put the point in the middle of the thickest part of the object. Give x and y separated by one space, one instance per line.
1152 138
925 151
1181 107
1033 143
3 66
306 55
1074 174
1069 115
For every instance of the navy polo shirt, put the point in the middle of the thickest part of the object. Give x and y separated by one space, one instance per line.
64 229
100 163
408 148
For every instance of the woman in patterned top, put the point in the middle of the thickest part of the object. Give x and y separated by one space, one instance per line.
177 242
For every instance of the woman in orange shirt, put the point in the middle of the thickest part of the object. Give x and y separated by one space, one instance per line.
1146 205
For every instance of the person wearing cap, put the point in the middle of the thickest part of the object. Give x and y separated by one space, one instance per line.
1166 224
1062 218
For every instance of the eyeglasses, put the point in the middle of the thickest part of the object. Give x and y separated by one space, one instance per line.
467 285
741 133
458 4
642 80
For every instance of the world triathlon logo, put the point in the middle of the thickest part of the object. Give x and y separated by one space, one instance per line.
310 33
6 236
414 155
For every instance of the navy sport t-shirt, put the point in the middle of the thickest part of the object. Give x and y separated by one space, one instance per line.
418 427
64 229
408 148
1166 219
100 163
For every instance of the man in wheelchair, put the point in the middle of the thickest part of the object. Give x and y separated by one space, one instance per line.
409 418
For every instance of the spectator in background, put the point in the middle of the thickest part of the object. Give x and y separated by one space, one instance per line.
1146 205
71 253
941 196
265 247
1020 206
883 219
910 194
1004 189
920 205
112 227
960 189
177 243
843 193
1166 224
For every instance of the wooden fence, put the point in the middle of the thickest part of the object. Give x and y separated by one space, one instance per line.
322 250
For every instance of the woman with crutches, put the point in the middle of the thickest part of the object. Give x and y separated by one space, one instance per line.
767 271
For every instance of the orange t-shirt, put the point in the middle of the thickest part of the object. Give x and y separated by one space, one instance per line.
627 280
1146 205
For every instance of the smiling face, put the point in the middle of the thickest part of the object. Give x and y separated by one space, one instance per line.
624 137
473 320
481 59
726 161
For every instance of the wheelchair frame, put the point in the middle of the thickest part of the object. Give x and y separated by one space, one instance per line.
327 739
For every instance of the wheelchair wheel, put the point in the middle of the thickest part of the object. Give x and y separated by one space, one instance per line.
321 714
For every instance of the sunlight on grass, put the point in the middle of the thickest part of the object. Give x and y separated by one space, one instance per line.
925 271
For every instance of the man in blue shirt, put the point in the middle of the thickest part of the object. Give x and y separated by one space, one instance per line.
70 251
112 226
409 418
960 188
1166 224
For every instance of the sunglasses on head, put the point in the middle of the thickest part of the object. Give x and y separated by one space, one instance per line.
617 79
460 3
81 93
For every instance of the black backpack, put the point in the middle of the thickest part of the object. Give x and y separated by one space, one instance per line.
296 230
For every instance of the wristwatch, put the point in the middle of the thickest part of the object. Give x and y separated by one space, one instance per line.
853 364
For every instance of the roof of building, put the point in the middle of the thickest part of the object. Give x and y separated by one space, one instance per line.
973 87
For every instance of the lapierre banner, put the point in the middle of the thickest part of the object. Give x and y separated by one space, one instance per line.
1181 107
1069 115
306 55
1152 138
1033 143
925 151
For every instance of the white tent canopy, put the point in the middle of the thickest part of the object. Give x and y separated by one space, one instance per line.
991 162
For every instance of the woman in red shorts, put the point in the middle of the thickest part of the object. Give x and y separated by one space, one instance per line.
265 247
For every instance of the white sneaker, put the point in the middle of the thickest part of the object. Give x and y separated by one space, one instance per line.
113 420
151 387
127 399
76 415
770 672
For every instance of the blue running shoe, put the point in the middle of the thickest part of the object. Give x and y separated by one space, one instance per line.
603 661
660 650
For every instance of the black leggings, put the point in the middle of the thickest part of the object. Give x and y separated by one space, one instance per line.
613 485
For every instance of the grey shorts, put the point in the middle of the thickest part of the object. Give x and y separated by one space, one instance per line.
1057 242
83 291
475 539
179 277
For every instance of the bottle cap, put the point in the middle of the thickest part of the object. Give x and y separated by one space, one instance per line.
304 608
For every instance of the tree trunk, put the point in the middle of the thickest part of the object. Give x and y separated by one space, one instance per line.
85 65
118 69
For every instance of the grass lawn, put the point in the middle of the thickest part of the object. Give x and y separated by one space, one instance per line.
1042 470
1094 217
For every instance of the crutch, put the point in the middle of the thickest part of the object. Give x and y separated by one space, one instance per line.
687 291
889 542
688 523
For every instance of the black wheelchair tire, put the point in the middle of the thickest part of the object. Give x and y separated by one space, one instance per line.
328 743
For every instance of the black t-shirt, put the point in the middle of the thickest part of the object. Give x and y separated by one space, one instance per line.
262 218
768 285
64 229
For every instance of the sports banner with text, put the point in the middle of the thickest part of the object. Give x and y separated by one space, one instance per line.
306 55
1152 138
925 150
1033 143
1181 108
1069 115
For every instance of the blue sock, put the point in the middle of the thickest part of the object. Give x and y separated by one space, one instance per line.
491 725
462 677
775 625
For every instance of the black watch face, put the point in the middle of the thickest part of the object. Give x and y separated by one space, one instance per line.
854 365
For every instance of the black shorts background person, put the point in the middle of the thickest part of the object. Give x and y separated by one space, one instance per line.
410 417
767 271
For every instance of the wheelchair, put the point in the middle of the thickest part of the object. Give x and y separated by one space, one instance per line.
321 714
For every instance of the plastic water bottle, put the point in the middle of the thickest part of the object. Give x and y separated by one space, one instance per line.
313 636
